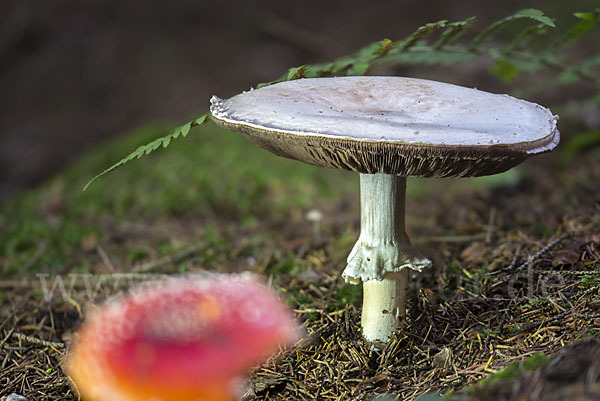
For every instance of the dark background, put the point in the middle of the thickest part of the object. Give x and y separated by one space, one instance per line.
76 73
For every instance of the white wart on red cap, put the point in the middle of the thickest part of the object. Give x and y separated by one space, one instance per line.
391 125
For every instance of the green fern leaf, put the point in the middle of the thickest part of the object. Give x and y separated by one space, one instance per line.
425 55
421 33
589 68
592 61
566 77
317 70
518 55
534 14
587 22
523 38
358 63
359 68
154 145
529 13
385 46
201 120
263 84
530 65
453 32
296 73
341 64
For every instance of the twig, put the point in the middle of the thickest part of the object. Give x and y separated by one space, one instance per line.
39 251
20 283
529 260
531 325
168 259
513 262
105 259
128 228
570 272
589 291
490 226
38 341
13 314
5 339
587 315
451 238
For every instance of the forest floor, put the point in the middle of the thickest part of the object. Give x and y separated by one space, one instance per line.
510 309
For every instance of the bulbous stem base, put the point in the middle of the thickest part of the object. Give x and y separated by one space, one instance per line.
383 306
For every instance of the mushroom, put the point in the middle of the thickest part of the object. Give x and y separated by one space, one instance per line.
186 339
388 128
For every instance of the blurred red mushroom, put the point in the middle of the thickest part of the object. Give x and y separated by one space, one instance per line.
188 339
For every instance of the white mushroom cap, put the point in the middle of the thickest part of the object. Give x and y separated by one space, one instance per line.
392 125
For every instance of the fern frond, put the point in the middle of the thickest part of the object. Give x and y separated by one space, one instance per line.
529 13
592 61
453 32
163 142
587 22
523 38
420 33
424 48
426 55
355 64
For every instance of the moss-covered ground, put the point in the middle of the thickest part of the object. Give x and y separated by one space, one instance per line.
515 281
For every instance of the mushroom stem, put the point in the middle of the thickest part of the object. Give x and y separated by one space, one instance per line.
382 255
383 305
382 199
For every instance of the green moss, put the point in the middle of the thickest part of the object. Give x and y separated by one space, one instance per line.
590 282
348 294
515 370
212 172
593 333
544 231
137 254
536 360
285 264
537 303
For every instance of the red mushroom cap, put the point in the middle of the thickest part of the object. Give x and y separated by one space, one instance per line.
186 339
